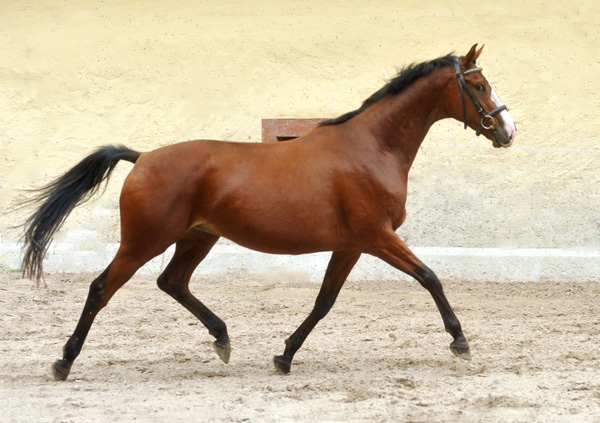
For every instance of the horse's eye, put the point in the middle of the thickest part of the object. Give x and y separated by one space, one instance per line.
480 87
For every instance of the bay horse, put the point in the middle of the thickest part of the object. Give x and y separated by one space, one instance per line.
339 188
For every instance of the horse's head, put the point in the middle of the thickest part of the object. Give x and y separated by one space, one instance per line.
479 106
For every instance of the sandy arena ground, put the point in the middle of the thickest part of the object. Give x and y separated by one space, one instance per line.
381 354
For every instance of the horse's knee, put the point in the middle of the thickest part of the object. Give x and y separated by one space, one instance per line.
322 307
97 294
429 280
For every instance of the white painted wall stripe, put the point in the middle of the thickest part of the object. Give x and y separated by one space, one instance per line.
450 263
474 252
505 252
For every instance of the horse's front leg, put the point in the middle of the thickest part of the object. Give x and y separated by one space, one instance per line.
393 251
338 269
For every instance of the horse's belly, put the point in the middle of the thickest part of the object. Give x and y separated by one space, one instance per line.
273 234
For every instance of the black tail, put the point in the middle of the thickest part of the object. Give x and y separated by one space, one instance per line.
60 197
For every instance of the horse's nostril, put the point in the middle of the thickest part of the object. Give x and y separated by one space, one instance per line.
512 133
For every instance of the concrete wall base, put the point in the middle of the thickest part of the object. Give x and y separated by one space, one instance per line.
476 264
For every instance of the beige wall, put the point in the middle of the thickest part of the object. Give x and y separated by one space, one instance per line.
76 75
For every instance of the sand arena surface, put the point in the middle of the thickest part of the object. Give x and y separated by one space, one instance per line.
380 355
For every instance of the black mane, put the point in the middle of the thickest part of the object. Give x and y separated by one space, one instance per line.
405 77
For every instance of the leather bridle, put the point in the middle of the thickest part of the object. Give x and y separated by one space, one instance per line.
487 119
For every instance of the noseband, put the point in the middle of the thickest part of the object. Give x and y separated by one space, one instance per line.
487 119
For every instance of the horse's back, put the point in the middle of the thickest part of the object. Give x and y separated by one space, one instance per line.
269 197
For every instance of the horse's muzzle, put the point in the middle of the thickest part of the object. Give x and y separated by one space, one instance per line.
503 138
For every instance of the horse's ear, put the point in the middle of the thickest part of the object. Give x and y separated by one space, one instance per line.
471 57
479 52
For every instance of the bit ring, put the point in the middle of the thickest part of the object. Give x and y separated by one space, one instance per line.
488 118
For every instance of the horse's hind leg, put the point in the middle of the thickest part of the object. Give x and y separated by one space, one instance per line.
189 252
123 266
338 269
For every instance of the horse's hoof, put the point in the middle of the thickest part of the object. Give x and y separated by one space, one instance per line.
461 349
281 364
60 370
223 350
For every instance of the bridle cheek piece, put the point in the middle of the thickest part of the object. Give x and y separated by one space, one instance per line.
487 119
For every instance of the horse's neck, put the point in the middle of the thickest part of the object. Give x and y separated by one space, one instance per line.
400 122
